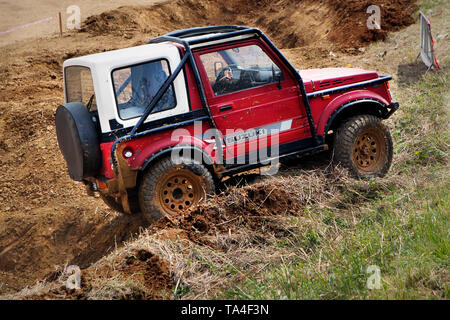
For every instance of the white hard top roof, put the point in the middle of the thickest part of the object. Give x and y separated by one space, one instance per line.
121 57
138 54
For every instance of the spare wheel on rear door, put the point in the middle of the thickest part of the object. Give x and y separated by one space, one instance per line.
78 140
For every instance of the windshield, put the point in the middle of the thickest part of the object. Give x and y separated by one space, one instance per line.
79 86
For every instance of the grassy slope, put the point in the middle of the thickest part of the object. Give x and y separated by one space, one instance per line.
402 226
404 233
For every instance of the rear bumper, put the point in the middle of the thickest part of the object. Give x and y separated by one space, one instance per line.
391 109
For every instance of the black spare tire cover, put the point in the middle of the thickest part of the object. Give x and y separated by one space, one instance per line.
78 140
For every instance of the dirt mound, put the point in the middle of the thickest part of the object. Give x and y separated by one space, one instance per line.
31 244
140 275
291 23
154 271
351 30
255 208
148 275
45 218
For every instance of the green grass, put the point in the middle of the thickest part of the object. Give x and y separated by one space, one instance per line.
421 132
426 5
406 236
402 228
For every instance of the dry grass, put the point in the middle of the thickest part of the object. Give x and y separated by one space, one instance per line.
240 245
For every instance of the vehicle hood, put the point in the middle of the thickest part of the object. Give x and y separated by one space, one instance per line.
326 78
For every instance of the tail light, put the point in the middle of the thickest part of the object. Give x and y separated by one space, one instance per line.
127 153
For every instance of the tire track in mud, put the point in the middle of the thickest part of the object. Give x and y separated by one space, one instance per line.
32 245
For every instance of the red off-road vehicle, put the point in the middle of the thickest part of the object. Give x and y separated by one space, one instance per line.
153 128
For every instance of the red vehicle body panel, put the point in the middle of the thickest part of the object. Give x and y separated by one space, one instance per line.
325 108
256 107
327 78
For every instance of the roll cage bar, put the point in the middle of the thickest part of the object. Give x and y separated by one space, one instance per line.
201 36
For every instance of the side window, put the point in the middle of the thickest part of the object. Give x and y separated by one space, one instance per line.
135 87
79 86
239 69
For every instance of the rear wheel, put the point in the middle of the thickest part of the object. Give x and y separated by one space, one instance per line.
363 145
168 188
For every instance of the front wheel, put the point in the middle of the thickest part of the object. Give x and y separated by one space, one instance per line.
363 144
168 188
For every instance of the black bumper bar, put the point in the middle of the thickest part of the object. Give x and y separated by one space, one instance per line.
392 108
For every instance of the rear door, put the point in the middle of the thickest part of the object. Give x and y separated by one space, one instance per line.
252 96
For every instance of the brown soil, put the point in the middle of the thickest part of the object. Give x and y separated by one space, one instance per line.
47 220
254 208
291 23
154 271
18 13
143 267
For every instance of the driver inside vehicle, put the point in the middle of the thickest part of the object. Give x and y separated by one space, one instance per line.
224 82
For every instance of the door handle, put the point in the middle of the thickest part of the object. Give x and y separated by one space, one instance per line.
225 108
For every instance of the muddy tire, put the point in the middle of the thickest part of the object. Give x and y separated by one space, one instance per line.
168 188
363 144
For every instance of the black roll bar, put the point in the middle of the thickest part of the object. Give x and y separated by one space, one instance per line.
201 35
